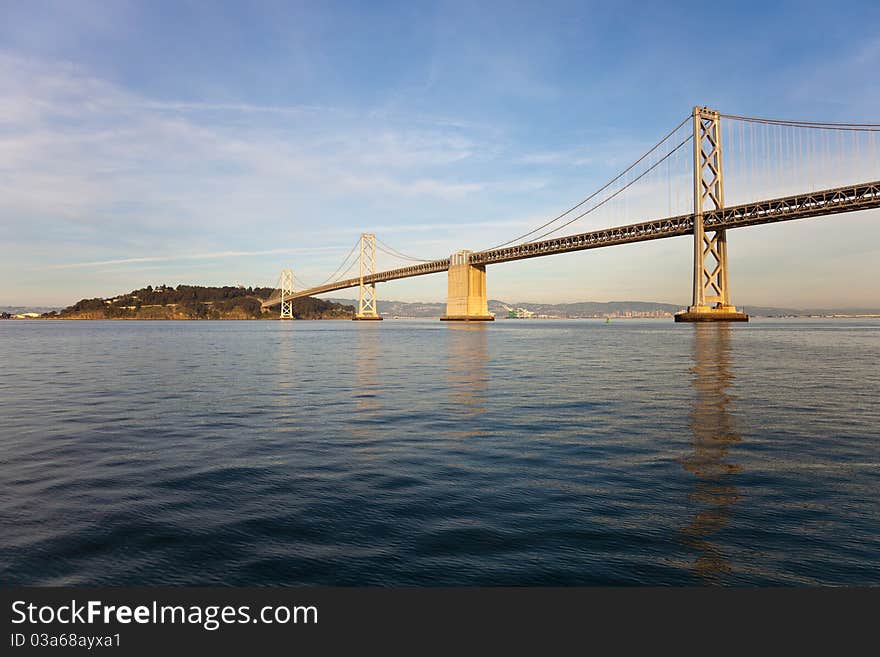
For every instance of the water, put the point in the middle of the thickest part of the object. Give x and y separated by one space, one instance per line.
421 453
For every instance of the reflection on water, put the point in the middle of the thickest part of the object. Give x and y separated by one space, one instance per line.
467 373
288 378
367 369
365 426
331 453
713 430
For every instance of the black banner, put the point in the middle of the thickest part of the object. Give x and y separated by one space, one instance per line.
135 621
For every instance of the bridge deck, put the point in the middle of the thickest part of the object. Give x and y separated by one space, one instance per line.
864 196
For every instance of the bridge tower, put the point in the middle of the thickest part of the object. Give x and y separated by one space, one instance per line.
286 294
466 295
711 298
367 299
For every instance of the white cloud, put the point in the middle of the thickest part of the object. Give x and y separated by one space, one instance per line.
78 149
192 256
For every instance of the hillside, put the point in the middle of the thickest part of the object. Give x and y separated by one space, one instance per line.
196 302
595 309
583 309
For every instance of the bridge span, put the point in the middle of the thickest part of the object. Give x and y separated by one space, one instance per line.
708 223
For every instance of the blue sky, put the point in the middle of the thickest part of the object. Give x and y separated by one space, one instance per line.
217 142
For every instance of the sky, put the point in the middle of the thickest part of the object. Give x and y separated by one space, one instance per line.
216 143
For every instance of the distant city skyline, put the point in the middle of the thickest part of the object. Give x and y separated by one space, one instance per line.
161 143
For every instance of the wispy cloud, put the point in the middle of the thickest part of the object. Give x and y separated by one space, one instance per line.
574 158
192 256
79 148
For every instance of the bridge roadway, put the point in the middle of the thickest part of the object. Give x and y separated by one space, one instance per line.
863 196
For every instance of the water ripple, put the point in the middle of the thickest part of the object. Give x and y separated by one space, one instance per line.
415 453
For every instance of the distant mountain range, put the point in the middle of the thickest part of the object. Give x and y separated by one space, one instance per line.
590 309
18 310
579 309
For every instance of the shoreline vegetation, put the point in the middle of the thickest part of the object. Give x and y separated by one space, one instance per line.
194 302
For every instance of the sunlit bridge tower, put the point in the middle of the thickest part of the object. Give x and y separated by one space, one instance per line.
367 299
711 299
286 294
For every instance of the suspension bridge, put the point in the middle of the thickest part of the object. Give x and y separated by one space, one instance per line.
782 170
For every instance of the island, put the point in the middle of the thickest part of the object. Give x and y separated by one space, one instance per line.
197 302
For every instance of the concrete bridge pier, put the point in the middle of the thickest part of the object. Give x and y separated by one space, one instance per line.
466 297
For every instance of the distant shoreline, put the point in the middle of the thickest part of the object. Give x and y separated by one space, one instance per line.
194 302
347 319
176 319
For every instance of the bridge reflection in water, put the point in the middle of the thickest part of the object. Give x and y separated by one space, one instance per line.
365 423
287 380
468 375
367 369
714 432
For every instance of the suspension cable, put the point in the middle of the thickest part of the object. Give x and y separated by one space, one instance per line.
598 191
345 273
394 252
397 256
605 200
302 282
819 125
334 276
275 290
